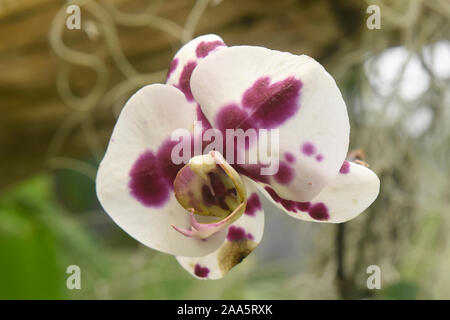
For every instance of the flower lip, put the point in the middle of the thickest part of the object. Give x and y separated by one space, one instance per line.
205 230
209 186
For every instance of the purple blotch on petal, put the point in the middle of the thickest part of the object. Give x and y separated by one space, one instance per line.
285 174
289 205
308 149
184 83
319 211
272 104
303 206
319 157
147 184
236 234
253 205
345 168
289 157
232 117
200 271
205 47
168 169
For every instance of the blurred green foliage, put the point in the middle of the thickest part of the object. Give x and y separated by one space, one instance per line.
38 240
30 265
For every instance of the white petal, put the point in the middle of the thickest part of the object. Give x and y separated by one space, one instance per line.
135 178
253 87
243 236
348 195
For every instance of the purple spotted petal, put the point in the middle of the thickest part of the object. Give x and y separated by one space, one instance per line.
135 178
187 58
205 47
343 199
258 88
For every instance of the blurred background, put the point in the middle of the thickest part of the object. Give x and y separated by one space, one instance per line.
61 91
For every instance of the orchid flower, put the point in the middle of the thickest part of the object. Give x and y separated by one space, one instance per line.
207 211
